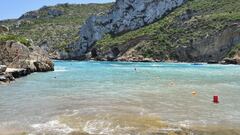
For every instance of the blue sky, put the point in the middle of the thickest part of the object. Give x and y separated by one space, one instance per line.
15 8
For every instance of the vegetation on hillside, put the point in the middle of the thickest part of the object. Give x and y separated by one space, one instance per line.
234 51
185 25
55 26
9 37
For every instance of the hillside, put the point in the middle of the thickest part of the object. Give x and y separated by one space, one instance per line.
202 31
194 31
54 27
125 15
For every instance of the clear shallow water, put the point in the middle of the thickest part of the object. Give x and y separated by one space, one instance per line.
113 98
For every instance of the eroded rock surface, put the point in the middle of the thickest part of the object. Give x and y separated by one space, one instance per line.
125 15
21 60
212 48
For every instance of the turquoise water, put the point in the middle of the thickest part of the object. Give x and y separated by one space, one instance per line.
114 98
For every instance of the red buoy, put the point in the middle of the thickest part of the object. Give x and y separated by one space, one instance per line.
216 99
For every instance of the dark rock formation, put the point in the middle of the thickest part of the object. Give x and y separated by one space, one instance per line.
17 73
55 12
3 68
126 15
187 15
230 61
6 77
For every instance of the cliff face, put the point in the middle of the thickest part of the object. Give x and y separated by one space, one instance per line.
53 27
211 48
136 30
197 31
126 15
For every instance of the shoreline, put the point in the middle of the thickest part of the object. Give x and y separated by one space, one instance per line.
13 73
177 62
158 127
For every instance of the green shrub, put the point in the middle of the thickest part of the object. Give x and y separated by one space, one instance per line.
234 51
23 40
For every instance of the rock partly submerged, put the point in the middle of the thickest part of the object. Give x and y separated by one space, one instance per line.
18 60
3 68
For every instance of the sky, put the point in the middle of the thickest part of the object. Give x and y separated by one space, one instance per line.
10 9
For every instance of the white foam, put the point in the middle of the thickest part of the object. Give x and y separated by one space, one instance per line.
8 123
167 130
98 127
52 127
71 112
60 69
103 127
185 124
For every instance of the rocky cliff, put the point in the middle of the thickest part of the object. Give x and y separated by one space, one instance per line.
136 30
126 15
211 48
197 31
53 27
17 55
22 60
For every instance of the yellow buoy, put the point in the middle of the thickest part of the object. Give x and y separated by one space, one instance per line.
194 93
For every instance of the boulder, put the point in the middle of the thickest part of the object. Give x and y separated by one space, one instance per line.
14 54
39 60
20 60
3 78
3 68
17 72
17 55
212 62
43 66
6 77
229 61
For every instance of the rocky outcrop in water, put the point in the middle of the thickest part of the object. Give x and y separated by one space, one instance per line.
17 55
21 60
126 15
3 68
